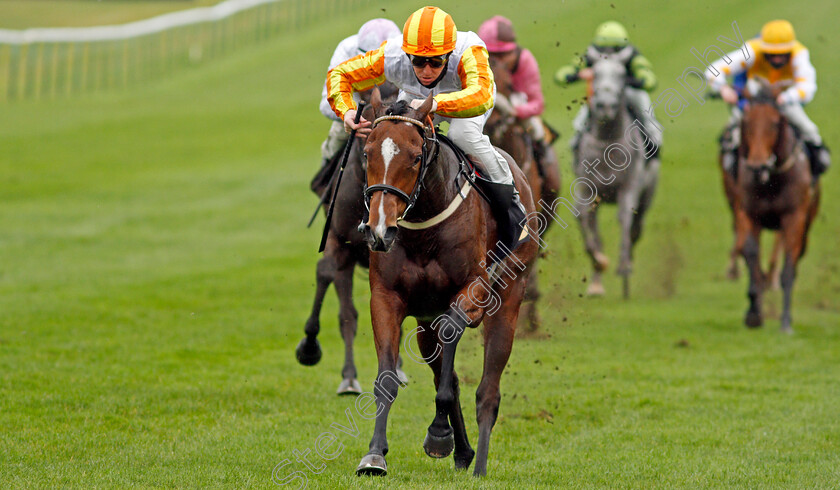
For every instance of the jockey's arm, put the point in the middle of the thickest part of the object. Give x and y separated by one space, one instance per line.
346 49
527 81
476 95
804 80
567 74
356 74
720 69
642 72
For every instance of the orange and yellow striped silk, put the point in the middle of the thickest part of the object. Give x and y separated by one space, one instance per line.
429 32
762 68
476 98
354 75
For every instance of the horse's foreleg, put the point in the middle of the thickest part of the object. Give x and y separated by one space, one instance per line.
387 311
499 330
440 439
551 173
793 235
627 207
773 268
348 323
431 350
308 351
588 218
645 201
528 313
751 252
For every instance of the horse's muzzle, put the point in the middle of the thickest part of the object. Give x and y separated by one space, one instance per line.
380 242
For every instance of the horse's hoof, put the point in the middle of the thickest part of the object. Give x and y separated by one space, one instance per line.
595 289
372 464
733 273
602 262
439 447
786 327
308 353
349 387
402 376
753 319
463 461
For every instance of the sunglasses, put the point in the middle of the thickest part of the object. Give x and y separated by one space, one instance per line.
433 61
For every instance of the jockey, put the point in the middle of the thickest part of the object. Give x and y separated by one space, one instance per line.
611 40
371 35
434 58
528 103
781 60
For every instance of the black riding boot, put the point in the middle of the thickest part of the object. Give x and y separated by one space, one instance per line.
820 159
509 214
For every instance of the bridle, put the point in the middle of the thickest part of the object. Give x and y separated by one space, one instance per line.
772 167
429 153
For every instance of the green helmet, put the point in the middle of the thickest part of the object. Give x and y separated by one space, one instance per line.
610 34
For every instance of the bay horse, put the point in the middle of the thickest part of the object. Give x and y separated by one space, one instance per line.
510 134
430 238
775 192
730 190
611 157
346 247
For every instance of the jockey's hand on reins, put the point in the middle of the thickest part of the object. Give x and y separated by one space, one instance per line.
362 128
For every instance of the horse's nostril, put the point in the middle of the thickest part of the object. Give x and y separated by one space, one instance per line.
390 235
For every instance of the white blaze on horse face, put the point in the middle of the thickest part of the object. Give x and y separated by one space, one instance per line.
389 151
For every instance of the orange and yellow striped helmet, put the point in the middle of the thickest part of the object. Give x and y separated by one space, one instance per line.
429 32
777 37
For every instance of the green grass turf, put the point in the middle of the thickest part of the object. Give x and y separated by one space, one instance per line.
155 275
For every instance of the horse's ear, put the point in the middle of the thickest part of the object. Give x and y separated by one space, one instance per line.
426 108
368 112
376 102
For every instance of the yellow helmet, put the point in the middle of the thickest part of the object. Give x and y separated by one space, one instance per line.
777 37
429 32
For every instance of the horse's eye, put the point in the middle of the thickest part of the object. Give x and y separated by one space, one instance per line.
417 159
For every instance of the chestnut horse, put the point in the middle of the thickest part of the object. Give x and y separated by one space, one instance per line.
345 248
511 135
430 238
775 191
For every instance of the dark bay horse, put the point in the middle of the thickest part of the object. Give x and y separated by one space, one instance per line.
346 247
438 274
611 157
775 192
510 134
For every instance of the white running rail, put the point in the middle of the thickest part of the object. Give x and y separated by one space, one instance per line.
145 27
45 63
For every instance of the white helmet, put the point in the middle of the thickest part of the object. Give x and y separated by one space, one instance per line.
374 32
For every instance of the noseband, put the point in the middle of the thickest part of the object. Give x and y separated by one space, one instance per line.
429 153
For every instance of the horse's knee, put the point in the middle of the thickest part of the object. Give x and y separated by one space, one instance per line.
325 270
750 249
487 405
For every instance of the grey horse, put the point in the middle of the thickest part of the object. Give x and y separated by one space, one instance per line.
612 163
